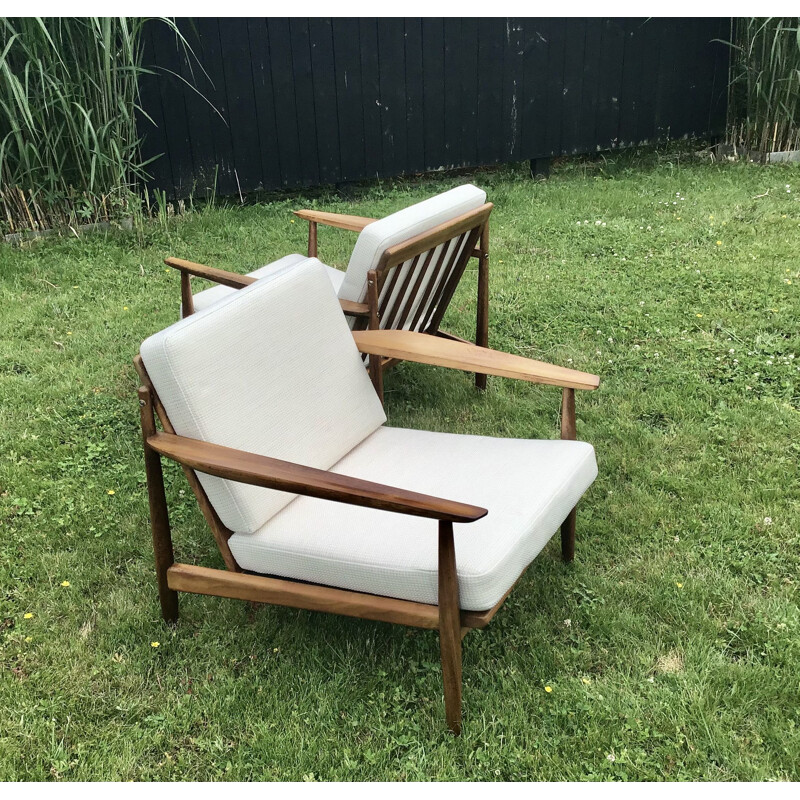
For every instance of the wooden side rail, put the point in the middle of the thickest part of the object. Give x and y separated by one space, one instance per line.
443 352
272 473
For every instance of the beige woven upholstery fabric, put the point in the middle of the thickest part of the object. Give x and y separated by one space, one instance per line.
528 486
271 369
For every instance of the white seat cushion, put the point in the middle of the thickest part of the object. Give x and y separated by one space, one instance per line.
529 488
272 369
396 228
207 297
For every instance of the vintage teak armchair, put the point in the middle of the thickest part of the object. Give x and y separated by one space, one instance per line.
402 273
264 401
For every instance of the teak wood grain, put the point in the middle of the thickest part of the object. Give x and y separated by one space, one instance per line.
347 222
444 352
309 596
272 473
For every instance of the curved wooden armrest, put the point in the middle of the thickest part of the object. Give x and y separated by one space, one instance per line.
427 349
271 473
232 279
354 309
346 222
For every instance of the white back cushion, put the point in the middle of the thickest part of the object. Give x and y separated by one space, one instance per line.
272 369
398 227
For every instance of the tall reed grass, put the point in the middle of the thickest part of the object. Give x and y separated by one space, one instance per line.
764 107
69 98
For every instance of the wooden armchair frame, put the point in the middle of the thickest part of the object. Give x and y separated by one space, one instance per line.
198 456
472 230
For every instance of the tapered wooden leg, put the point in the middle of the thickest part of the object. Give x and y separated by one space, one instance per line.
482 323
449 627
568 431
159 518
187 301
375 362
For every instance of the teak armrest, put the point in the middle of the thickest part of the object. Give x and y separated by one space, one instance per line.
346 222
232 279
271 473
441 352
237 281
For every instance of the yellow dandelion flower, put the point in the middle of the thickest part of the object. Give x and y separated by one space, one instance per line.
29 615
679 585
111 491
711 216
65 583
69 333
718 242
29 638
698 315
679 219
586 681
548 689
155 644
124 308
783 216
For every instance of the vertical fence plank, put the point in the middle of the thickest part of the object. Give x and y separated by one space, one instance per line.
304 101
433 92
490 90
264 100
215 91
414 77
535 45
323 69
151 128
391 55
282 74
371 98
349 103
609 86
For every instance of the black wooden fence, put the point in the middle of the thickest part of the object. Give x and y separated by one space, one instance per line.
299 102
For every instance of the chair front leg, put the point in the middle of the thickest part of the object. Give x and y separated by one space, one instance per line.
159 517
568 431
449 627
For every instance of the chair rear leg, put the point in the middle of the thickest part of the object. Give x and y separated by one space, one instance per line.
569 432
449 627
482 322
159 517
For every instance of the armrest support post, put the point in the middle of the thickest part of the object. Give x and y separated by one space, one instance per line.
187 301
159 516
312 238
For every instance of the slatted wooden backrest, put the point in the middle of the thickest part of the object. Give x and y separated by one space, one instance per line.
417 278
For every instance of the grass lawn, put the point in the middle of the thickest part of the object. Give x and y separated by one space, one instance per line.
671 645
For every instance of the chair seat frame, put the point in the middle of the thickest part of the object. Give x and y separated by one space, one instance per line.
447 617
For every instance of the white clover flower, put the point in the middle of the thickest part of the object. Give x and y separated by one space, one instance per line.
768 520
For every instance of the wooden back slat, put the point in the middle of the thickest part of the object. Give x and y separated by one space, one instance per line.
417 278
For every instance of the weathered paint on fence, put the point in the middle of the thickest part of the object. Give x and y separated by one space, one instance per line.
300 101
